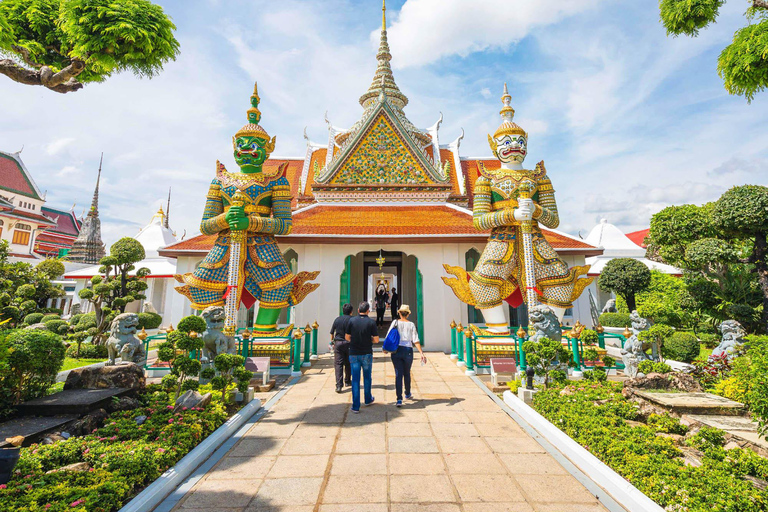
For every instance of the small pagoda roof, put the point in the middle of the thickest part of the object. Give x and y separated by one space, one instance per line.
615 243
366 223
66 221
639 236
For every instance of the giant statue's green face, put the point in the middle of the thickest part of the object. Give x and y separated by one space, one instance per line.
250 153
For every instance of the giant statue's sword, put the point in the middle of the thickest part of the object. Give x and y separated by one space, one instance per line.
526 192
236 259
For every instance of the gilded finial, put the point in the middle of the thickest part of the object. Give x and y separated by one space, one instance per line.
383 14
142 334
453 324
459 327
520 332
246 334
467 332
627 333
599 329
308 329
315 325
297 334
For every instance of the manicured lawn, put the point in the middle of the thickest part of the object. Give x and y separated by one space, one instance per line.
70 363
705 353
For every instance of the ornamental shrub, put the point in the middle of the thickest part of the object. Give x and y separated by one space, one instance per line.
732 388
34 358
33 318
615 320
667 424
47 318
589 337
149 320
88 351
543 355
596 375
57 325
709 340
75 319
681 346
649 366
191 323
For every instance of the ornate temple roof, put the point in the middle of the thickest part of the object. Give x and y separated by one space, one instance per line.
15 178
88 247
61 236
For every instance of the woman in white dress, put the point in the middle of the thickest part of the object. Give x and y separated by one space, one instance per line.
402 359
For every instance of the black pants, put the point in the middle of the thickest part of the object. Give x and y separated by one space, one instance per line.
402 360
380 315
341 363
395 316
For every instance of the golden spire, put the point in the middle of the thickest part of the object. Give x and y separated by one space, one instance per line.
384 73
383 14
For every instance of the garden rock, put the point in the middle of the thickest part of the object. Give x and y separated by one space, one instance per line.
125 403
128 375
192 399
53 438
87 424
678 381
76 467
140 419
37 327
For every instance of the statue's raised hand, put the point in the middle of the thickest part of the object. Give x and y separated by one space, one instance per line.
236 218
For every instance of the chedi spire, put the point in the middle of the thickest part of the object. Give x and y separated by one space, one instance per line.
88 247
384 79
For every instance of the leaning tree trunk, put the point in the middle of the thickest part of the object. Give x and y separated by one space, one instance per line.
630 300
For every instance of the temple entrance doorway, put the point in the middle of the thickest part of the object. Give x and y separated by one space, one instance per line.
363 275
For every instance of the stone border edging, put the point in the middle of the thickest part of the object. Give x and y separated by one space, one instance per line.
158 490
626 494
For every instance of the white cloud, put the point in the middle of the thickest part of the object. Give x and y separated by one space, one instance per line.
427 30
57 145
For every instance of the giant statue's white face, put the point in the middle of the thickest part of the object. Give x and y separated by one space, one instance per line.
511 148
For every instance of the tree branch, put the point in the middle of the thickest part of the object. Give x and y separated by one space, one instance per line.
62 82
24 54
760 3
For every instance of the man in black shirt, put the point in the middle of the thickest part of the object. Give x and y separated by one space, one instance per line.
394 303
361 334
341 348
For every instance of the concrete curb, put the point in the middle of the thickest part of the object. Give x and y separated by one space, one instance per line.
157 491
626 494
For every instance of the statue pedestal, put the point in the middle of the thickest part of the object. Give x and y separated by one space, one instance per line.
526 395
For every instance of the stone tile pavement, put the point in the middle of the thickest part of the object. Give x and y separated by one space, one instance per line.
452 449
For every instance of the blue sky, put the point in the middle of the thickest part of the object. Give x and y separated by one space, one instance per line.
626 119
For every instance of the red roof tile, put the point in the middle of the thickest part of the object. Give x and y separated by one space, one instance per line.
66 224
35 217
13 178
639 236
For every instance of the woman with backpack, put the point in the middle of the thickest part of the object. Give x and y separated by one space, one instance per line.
403 332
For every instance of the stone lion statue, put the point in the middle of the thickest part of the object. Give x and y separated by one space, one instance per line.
610 306
122 340
631 355
733 336
148 308
216 342
545 323
639 323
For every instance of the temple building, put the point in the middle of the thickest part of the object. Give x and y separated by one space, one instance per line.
383 202
154 236
33 231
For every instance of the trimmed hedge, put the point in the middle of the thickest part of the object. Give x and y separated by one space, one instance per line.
87 351
149 320
33 318
50 317
57 325
615 320
710 340
681 346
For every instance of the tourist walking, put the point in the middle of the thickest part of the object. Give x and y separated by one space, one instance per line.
394 302
341 348
361 334
402 359
381 300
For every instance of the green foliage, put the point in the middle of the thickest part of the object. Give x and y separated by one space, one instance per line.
709 340
87 351
230 368
614 319
597 374
51 268
107 36
48 318
688 16
706 439
24 289
681 346
664 301
743 64
594 416
625 277
177 350
667 424
33 318
125 458
589 337
590 354
191 323
755 381
543 355
34 359
57 325
647 366
149 320
657 333
514 385
608 361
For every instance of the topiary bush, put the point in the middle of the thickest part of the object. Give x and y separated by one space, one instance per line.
615 320
34 359
191 323
33 318
648 366
75 319
709 340
57 325
149 320
589 337
88 351
681 346
49 317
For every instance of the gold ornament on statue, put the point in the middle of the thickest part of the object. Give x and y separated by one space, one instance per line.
627 333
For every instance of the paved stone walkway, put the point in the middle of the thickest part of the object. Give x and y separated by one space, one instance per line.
453 449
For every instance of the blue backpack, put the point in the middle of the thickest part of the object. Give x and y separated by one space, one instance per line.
392 341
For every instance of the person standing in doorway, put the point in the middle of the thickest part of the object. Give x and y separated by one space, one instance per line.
402 360
362 333
394 302
380 300
341 348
